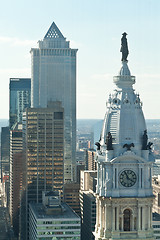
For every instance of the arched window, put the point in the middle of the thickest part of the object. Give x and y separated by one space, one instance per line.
127 220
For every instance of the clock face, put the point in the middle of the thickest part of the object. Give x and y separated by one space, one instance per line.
128 178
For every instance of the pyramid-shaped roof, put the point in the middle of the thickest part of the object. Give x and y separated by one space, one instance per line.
53 32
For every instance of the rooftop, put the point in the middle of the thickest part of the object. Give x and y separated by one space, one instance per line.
40 213
54 32
52 193
155 216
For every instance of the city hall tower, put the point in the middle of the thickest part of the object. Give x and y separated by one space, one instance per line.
124 158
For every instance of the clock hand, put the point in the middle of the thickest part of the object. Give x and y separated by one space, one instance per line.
131 179
126 175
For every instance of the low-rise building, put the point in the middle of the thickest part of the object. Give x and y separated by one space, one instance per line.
88 204
90 159
53 219
156 167
156 224
71 196
156 192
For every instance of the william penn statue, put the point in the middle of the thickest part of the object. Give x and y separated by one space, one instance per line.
124 47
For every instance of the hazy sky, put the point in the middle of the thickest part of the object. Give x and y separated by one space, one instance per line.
95 28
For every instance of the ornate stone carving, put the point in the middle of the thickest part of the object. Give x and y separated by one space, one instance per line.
128 146
144 140
109 141
98 145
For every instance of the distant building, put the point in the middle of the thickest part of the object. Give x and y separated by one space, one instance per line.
90 160
80 156
84 141
4 150
156 167
156 192
156 225
80 167
71 196
54 79
53 220
16 162
5 189
88 203
20 98
43 136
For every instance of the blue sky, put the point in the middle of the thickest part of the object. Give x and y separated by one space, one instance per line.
95 28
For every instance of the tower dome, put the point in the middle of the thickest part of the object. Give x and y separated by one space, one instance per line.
124 118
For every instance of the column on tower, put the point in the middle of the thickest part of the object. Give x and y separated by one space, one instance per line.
99 226
149 218
113 218
117 177
144 210
113 177
101 217
102 179
97 186
132 221
122 224
97 215
108 217
139 217
139 177
117 218
149 207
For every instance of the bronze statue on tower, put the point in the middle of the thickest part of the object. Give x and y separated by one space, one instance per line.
124 47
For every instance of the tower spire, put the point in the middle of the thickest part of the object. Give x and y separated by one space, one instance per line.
124 78
53 32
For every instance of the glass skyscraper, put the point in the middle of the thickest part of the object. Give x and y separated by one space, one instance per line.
15 176
54 79
20 98
4 150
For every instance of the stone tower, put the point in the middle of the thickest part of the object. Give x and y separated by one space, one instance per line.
124 159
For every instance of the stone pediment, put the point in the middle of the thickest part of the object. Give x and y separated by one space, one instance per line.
128 157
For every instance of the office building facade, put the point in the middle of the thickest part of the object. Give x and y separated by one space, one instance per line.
90 159
156 192
156 167
156 224
4 150
54 79
20 98
43 169
15 175
71 196
88 204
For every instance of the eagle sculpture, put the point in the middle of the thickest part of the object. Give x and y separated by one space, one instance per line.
128 146
98 145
